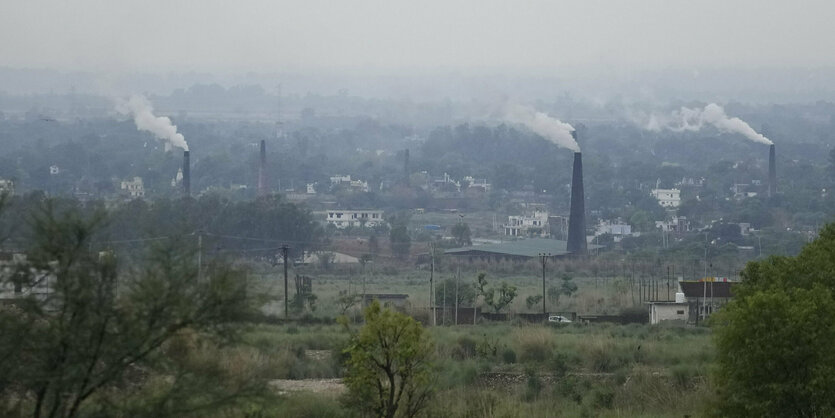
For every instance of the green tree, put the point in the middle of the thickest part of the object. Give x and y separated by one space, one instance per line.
506 293
774 339
461 233
389 371
399 238
568 286
499 298
445 293
533 300
77 348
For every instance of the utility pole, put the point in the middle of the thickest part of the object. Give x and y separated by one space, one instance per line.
284 249
443 298
200 257
432 283
457 279
543 257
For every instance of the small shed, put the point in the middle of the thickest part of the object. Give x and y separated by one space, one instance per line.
397 301
668 311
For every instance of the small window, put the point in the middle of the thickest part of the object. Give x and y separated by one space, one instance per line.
681 312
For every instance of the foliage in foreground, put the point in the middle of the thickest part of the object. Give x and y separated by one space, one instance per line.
774 341
107 342
389 371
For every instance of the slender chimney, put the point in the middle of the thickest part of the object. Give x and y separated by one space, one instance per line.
262 170
406 167
577 215
186 175
772 172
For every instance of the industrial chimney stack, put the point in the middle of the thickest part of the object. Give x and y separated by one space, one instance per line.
406 168
772 172
262 170
577 216
186 175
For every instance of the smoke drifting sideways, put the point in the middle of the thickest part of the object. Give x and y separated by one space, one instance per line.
688 119
551 129
140 109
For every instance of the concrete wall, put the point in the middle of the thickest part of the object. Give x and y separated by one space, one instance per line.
668 312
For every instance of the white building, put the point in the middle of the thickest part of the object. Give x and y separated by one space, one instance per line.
346 180
669 311
525 225
344 218
311 188
178 178
134 188
478 184
42 282
668 198
617 228
339 179
675 224
7 187
54 169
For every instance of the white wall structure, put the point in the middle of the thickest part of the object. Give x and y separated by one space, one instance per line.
343 218
668 198
668 311
134 188
521 225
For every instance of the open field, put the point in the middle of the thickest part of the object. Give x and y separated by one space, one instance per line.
510 369
513 370
608 295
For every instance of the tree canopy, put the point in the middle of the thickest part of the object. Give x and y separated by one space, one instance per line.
389 370
774 340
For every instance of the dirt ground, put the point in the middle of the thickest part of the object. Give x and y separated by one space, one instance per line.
333 387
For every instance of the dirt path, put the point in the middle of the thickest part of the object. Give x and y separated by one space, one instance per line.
333 387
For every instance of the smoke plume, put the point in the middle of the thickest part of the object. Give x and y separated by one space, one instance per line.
688 119
552 129
142 112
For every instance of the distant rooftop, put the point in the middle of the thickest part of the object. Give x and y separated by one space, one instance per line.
530 247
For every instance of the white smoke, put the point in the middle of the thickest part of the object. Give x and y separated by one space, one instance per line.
142 112
688 119
552 129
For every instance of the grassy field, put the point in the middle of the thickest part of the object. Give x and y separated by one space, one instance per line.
602 295
513 370
510 369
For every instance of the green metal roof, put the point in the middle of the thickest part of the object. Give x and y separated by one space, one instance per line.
530 247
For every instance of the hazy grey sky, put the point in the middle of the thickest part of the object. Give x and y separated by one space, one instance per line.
385 35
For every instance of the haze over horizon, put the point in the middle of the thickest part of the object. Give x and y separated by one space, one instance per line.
383 36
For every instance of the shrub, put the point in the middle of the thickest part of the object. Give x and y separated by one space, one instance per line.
535 345
465 349
558 364
509 356
682 376
533 386
602 397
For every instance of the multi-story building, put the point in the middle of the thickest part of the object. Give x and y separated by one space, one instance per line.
6 187
668 198
617 228
343 218
339 179
527 225
134 188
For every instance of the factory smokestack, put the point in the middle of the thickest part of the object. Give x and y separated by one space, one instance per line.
262 170
186 174
772 172
577 216
406 167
